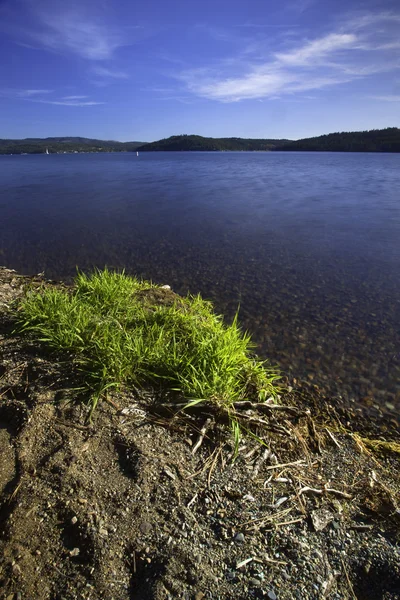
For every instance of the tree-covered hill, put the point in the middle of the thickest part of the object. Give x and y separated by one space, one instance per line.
199 143
375 140
64 144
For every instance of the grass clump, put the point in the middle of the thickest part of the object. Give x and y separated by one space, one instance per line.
123 331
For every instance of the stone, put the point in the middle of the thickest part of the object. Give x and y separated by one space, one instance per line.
238 538
271 595
145 527
320 518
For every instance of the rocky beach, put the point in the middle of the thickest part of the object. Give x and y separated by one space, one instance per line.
147 502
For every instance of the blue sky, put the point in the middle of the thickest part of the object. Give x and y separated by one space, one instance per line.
147 69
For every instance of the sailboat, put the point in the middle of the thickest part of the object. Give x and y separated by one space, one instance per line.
137 153
47 150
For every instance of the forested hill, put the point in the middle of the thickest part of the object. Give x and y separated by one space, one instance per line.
62 145
197 142
376 140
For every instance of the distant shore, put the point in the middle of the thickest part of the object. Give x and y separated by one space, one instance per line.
377 140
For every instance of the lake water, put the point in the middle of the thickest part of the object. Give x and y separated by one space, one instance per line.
307 243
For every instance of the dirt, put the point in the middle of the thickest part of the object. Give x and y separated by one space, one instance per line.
125 508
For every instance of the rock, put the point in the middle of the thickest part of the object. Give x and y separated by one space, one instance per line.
254 582
74 520
230 576
74 552
145 527
238 538
321 518
272 596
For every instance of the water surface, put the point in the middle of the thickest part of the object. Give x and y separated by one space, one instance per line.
307 243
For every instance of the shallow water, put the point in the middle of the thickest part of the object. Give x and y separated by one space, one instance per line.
307 243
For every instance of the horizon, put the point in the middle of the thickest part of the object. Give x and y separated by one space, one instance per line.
114 71
178 135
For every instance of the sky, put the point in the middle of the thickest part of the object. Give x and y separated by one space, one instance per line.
142 70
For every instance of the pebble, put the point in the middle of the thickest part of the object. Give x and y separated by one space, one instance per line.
74 520
74 552
254 582
272 596
239 538
321 518
145 527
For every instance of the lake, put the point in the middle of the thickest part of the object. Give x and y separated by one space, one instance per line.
308 244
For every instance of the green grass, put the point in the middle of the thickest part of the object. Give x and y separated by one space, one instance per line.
123 331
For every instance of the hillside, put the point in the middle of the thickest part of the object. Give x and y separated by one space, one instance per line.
199 143
64 145
376 140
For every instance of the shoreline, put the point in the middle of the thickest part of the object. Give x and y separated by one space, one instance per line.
126 509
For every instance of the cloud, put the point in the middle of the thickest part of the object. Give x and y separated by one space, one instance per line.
30 93
109 73
388 98
351 52
86 28
39 96
71 31
73 97
317 50
69 102
23 94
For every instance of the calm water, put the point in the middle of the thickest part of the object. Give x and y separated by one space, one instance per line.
308 243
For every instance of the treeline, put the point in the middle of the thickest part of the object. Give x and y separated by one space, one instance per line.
375 140
64 144
198 143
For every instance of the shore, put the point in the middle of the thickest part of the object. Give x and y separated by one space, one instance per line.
133 507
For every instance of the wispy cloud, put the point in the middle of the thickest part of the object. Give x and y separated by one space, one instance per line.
41 97
388 98
109 73
70 102
89 29
68 28
31 93
316 51
73 97
338 57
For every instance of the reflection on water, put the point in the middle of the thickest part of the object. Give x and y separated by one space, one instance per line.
307 243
